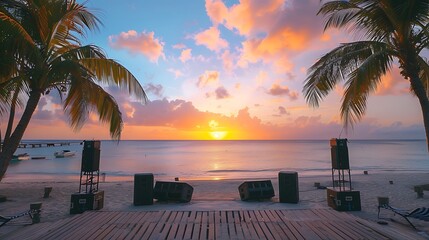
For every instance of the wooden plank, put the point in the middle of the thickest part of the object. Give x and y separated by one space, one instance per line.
149 230
108 232
289 228
173 231
242 224
348 230
140 231
165 231
304 230
188 232
327 231
204 225
255 225
181 230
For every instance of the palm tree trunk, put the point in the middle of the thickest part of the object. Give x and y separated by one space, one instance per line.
11 116
419 90
10 147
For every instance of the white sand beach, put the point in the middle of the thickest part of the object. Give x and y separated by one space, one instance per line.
223 195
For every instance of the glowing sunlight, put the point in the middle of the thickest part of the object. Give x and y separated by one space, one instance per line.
218 135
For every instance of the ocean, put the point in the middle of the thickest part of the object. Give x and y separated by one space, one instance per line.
216 160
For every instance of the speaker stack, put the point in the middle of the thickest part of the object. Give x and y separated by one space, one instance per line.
288 187
143 189
256 190
88 197
340 197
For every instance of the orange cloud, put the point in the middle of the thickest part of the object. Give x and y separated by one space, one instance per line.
393 84
251 16
211 39
144 43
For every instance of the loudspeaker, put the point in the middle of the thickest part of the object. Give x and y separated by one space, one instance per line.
173 191
80 202
343 200
91 156
143 189
339 153
255 190
288 187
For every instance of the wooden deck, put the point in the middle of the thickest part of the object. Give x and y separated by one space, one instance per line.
242 224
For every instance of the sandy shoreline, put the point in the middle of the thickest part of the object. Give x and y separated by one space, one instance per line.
223 195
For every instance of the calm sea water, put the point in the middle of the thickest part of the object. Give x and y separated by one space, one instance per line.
214 160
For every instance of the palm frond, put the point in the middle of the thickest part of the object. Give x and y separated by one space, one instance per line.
336 66
84 97
110 72
361 82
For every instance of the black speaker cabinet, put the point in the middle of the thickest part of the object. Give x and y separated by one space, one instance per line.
80 202
143 189
339 153
288 187
255 190
91 156
173 191
343 200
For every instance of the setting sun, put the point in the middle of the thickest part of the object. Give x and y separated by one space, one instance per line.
218 135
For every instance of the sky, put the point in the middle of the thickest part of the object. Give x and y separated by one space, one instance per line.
226 69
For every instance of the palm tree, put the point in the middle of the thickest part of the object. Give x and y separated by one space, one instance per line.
393 31
40 53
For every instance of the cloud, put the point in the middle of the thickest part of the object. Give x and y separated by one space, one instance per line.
186 55
393 84
277 90
179 46
144 43
282 111
216 10
177 73
155 89
209 77
211 39
180 119
227 60
273 30
221 93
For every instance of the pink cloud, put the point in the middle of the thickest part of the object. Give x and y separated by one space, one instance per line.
209 77
277 90
211 39
216 10
222 93
185 55
144 43
180 119
179 46
228 61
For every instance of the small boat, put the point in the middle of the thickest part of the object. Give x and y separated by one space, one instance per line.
37 158
64 153
21 157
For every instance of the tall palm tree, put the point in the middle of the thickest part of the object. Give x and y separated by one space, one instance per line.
40 53
393 31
